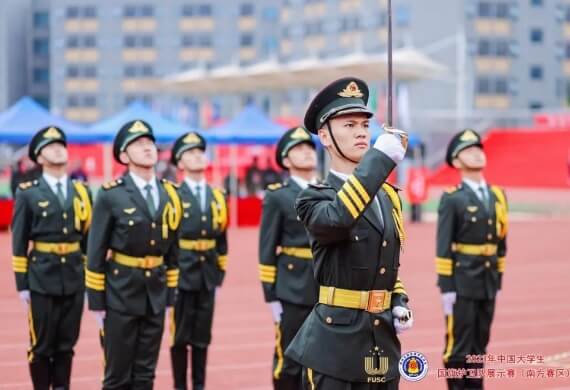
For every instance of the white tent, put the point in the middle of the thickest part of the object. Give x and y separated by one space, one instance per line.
409 64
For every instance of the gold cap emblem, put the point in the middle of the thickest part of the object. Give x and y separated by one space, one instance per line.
52 133
351 91
300 133
191 138
469 136
138 127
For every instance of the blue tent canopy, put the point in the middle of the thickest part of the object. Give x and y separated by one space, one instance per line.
251 126
21 121
165 130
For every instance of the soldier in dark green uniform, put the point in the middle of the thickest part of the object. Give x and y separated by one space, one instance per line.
49 226
203 257
132 272
471 248
355 226
285 259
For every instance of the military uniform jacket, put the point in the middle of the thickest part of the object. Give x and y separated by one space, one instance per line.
464 220
284 277
352 250
201 269
122 223
39 217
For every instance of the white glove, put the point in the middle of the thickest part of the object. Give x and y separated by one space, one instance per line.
276 310
448 300
390 145
25 297
403 319
99 317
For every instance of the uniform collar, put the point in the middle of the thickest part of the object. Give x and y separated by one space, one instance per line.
52 181
474 185
141 183
342 176
302 182
192 184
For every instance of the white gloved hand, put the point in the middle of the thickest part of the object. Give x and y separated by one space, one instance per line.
391 145
99 317
25 297
448 300
276 310
403 319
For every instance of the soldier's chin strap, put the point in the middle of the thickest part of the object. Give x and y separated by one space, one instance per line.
336 145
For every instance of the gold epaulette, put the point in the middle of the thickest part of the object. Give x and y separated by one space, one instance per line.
170 182
27 184
112 184
274 186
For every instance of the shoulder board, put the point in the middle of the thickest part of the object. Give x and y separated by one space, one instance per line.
452 189
274 186
112 184
28 184
166 181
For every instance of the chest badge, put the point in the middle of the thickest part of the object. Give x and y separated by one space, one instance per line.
472 209
43 204
130 211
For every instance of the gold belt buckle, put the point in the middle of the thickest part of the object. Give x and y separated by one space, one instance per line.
147 262
60 249
201 245
487 250
376 301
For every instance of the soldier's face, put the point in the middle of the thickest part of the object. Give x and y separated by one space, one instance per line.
53 154
193 160
141 152
351 133
472 157
302 156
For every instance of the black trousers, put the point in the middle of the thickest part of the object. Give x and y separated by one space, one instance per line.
468 331
54 323
191 325
313 380
132 344
287 372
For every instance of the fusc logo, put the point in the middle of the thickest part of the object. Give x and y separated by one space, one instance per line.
413 366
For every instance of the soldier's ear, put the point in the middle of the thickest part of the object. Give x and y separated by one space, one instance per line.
40 159
180 165
287 163
457 164
124 157
324 137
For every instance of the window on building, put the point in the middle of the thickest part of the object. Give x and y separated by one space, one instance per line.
205 10
536 35
130 71
42 100
89 101
536 72
483 85
147 41
567 14
205 41
535 106
72 12
72 71
536 3
41 19
89 41
130 11
502 10
72 101
501 86
41 46
147 11
147 71
484 47
90 72
89 12
188 10
567 51
246 40
129 41
484 9
246 9
41 75
502 49
187 41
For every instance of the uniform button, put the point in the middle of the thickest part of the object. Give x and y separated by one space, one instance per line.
115 271
63 260
290 266
376 322
186 215
153 225
64 215
203 232
34 258
147 274
203 218
298 219
64 230
131 222
152 242
458 264
487 264
44 214
490 222
385 243
329 320
355 238
202 258
489 236
382 271
473 219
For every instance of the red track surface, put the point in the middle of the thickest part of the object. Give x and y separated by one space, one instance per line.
533 315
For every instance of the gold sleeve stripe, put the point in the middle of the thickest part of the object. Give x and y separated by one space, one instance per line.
173 272
96 287
356 184
95 275
443 261
501 264
270 268
348 204
400 291
267 279
352 195
222 262
20 264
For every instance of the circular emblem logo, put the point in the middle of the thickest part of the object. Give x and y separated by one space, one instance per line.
413 366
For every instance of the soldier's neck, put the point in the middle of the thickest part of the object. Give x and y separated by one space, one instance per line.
144 173
305 174
342 165
473 175
57 171
196 176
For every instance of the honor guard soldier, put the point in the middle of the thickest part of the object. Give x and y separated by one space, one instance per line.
355 226
49 228
132 272
286 269
202 259
471 248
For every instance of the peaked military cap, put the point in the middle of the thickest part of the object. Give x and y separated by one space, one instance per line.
186 142
130 132
461 141
344 96
290 139
47 135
